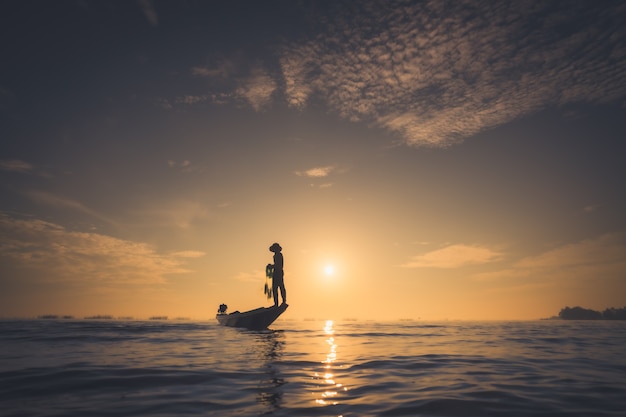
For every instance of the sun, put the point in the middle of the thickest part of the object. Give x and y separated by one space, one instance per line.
329 270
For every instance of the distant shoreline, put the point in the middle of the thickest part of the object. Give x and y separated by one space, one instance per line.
579 313
566 313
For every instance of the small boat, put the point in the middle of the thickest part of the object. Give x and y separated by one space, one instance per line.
257 319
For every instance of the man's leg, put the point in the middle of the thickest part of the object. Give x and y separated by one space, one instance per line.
283 292
275 292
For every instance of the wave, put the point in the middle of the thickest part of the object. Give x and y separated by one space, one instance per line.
77 368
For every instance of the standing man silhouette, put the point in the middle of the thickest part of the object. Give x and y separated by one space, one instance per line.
278 275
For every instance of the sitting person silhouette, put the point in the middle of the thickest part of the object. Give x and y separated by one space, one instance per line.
278 275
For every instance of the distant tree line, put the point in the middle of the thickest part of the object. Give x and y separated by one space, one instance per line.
579 313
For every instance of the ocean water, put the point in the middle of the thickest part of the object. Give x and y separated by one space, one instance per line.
312 368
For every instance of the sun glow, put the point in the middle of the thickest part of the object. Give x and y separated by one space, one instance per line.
329 270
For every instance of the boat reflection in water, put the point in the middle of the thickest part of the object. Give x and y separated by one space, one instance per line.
331 388
270 344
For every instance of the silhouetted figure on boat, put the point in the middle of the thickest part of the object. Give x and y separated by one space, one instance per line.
278 274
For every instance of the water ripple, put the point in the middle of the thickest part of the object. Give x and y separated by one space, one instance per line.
78 368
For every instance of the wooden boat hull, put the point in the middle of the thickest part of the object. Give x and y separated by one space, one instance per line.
257 319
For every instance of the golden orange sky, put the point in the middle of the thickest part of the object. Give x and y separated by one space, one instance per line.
445 164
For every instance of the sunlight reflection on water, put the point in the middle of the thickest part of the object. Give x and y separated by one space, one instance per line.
330 391
326 368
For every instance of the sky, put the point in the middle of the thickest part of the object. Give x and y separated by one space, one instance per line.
426 160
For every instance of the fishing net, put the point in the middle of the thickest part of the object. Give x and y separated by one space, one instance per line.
269 271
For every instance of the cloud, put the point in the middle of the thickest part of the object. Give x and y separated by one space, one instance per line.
148 10
184 166
53 200
604 256
223 69
203 71
591 208
295 68
454 256
163 103
16 165
182 214
256 276
435 73
318 172
85 257
191 99
50 199
603 250
230 81
257 89
438 72
188 254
